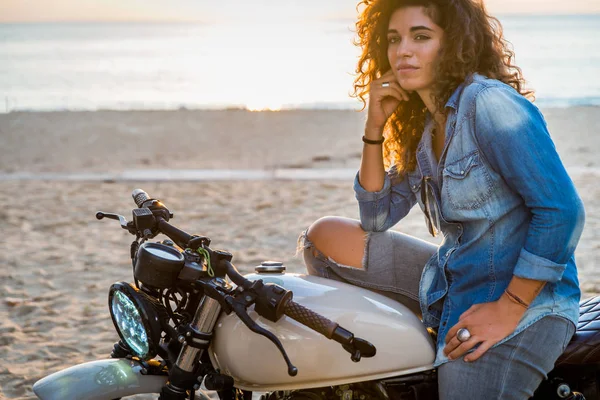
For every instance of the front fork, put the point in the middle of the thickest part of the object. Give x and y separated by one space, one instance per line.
196 339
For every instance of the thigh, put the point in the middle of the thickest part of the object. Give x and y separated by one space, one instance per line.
512 370
392 265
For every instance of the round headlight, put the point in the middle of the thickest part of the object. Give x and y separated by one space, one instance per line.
136 319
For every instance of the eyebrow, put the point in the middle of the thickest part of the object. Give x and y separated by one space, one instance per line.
412 29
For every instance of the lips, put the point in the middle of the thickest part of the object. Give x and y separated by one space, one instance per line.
406 68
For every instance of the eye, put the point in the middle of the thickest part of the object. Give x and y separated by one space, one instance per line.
393 39
421 37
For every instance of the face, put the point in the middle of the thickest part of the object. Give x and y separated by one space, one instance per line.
414 42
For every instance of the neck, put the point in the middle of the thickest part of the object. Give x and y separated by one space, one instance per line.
438 117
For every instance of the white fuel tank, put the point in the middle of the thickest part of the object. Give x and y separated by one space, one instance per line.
403 344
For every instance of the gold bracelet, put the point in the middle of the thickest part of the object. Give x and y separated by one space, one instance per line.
516 299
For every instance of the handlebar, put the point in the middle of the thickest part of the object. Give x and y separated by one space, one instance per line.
313 320
271 301
180 237
357 347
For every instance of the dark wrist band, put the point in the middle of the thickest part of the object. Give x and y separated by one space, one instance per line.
516 299
369 141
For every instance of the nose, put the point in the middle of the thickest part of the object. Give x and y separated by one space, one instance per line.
404 49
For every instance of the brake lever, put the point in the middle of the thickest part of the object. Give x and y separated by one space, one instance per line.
240 310
124 224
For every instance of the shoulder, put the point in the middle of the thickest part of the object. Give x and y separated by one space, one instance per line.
479 88
495 104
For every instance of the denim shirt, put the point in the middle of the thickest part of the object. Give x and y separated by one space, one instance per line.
508 208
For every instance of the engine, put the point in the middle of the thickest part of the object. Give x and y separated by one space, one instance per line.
411 387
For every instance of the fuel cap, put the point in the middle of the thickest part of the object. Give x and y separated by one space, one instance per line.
270 267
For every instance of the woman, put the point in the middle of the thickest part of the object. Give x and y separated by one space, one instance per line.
462 141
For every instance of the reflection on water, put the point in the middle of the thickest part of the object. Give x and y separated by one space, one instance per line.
252 65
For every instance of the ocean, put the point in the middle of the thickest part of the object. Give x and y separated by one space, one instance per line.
90 66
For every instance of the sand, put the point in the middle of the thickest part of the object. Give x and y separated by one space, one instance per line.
57 261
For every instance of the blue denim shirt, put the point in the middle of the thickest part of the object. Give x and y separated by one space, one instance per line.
508 208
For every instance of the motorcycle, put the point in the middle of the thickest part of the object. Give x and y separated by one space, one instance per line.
190 321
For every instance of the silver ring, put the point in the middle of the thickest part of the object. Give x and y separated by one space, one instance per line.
385 84
463 335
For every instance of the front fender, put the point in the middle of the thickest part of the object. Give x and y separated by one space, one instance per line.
98 380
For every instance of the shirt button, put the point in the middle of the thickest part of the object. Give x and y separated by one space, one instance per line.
462 172
414 186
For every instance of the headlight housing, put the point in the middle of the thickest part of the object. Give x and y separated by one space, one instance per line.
137 319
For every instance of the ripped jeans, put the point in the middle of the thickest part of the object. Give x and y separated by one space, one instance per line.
392 266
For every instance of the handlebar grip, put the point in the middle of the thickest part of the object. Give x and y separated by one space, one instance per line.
180 237
140 197
311 319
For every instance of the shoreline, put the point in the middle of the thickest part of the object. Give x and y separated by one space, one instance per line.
549 104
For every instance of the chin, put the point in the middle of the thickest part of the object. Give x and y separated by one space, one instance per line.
414 84
409 84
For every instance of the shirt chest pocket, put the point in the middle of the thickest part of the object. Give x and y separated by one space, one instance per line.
466 182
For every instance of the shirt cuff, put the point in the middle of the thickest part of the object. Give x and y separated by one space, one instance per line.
530 266
363 195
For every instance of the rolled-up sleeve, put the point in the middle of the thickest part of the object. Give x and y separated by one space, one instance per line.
514 138
383 209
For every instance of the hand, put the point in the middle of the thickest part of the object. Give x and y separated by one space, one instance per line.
383 101
488 323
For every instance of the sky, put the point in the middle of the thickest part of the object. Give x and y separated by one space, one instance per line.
239 10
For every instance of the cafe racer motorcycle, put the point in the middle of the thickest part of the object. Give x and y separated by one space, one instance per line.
191 322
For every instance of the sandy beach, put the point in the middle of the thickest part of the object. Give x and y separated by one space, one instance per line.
57 261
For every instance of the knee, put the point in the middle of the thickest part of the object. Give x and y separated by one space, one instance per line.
322 229
309 243
336 238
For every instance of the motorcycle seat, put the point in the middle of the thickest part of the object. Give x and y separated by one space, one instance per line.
584 348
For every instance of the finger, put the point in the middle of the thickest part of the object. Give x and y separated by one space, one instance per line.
452 332
381 94
394 84
451 346
387 74
396 89
463 348
470 311
389 77
393 90
483 347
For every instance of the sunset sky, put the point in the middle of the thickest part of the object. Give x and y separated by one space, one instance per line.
238 10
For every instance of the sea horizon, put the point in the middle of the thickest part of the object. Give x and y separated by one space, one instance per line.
200 21
167 65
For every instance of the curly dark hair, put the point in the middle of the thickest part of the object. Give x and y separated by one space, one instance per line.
473 42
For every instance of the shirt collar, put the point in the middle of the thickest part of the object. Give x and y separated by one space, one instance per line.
455 97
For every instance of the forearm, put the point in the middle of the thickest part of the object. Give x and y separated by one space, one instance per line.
525 290
519 295
371 174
